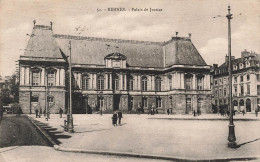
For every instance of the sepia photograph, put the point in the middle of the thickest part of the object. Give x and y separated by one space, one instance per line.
129 80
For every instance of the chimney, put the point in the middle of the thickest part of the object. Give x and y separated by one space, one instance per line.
34 22
190 35
51 24
177 34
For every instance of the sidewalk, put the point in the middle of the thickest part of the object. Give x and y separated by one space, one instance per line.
176 137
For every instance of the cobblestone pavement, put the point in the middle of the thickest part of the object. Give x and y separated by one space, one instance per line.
196 139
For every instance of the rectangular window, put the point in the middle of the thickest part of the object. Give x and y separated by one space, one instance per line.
144 85
131 85
235 79
216 82
248 89
235 89
35 78
188 82
34 98
220 92
241 79
216 93
158 102
225 92
116 84
51 78
248 77
258 77
199 83
258 89
242 89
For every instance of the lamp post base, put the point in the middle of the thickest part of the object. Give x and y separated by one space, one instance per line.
231 136
70 126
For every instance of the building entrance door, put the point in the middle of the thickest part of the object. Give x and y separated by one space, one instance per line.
248 105
116 102
188 105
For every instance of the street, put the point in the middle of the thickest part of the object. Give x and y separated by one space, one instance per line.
19 131
145 134
20 141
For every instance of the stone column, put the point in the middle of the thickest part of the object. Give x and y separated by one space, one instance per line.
62 77
152 82
27 71
121 82
194 78
149 83
95 81
57 77
139 82
91 81
182 81
106 81
135 83
110 75
125 82
79 81
21 75
42 76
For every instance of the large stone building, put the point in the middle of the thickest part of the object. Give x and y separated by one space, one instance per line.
245 81
112 74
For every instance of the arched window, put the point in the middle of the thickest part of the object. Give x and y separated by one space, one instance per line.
188 81
100 82
116 83
158 84
144 83
131 83
85 82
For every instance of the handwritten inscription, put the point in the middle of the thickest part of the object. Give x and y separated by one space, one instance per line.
122 9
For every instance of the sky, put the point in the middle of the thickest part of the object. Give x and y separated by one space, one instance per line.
204 19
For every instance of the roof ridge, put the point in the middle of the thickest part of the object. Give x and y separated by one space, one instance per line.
107 39
46 27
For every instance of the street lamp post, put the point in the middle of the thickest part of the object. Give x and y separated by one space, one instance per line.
100 105
69 115
231 134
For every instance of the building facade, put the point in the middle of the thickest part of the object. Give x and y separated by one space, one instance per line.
245 82
112 74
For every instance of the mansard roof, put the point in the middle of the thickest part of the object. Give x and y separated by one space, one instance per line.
91 50
42 43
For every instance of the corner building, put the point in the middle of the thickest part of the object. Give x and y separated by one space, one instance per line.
245 82
112 74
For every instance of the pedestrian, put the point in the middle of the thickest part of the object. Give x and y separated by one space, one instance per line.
168 111
61 111
119 114
19 111
114 119
36 112
40 113
198 112
194 113
256 112
243 112
44 112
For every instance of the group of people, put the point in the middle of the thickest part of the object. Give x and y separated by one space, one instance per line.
117 116
198 112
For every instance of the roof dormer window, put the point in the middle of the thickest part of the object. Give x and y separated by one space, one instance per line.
241 65
115 60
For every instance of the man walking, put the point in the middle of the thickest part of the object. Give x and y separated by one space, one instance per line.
114 119
36 112
61 111
119 114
